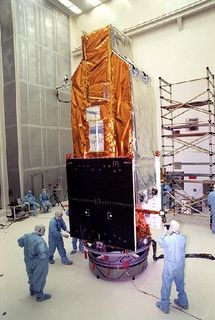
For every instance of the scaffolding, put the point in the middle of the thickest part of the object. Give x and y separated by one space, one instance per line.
188 139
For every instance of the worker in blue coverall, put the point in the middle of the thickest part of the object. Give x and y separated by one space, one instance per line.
174 245
75 245
45 201
56 238
211 203
30 199
36 261
166 200
75 242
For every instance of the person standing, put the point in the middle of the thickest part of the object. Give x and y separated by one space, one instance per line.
57 224
36 261
166 200
75 246
76 242
211 203
174 245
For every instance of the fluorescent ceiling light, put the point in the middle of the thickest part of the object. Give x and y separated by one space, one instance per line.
75 9
94 2
66 3
71 6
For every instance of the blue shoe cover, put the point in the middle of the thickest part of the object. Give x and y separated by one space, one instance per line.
158 304
176 301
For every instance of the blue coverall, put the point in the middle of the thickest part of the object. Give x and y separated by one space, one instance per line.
166 201
36 261
174 262
44 201
211 202
74 245
75 241
56 239
32 202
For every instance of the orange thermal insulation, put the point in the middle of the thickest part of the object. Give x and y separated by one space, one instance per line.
102 81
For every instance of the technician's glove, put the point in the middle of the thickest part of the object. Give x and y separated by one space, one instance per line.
65 235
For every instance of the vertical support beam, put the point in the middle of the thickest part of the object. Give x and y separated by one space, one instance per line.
10 98
209 96
3 159
166 121
179 23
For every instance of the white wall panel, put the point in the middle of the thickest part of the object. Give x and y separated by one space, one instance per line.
125 14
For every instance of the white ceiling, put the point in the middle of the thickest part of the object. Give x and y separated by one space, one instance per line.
82 4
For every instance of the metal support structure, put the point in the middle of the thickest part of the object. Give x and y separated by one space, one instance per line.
194 134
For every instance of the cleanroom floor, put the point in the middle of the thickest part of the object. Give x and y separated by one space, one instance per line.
77 294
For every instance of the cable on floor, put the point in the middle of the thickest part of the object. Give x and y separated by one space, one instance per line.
155 258
152 295
187 255
6 225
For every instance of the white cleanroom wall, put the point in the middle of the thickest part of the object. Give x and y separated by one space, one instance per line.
125 14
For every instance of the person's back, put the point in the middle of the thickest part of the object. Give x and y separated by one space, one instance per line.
174 245
34 246
36 261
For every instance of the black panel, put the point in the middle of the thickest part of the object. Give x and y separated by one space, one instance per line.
100 195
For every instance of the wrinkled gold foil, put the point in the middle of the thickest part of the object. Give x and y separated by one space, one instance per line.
102 79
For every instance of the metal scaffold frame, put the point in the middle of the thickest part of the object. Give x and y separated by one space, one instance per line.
200 139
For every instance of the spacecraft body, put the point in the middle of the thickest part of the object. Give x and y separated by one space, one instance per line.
111 175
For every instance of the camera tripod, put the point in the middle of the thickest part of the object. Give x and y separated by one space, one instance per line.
55 197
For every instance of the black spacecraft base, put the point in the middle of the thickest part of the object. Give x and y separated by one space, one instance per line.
101 201
118 266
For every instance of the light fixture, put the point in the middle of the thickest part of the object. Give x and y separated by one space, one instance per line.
71 6
94 2
75 9
66 3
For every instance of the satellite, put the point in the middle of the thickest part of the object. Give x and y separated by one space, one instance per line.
112 176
